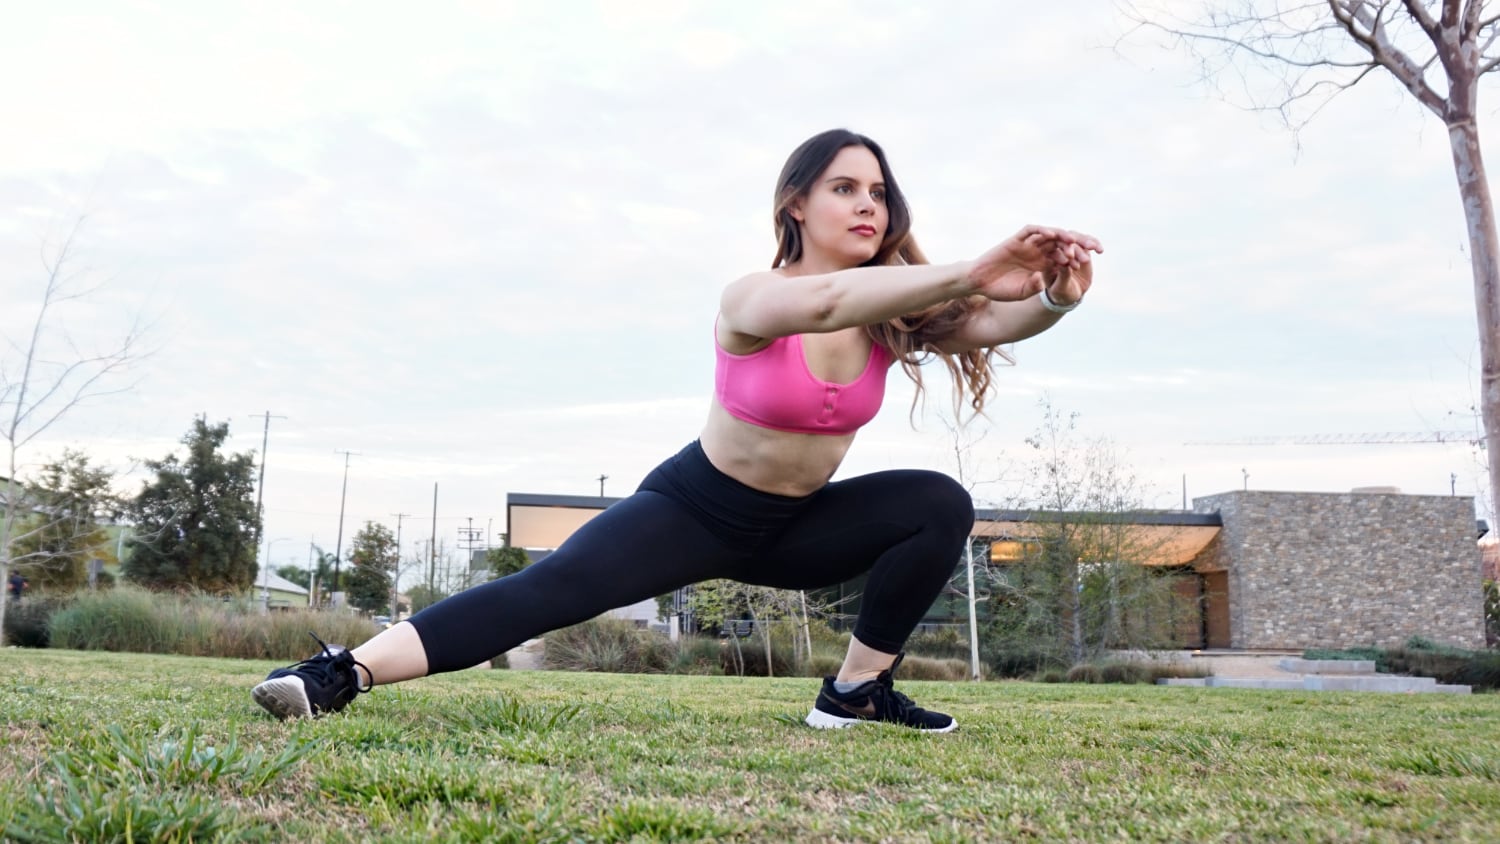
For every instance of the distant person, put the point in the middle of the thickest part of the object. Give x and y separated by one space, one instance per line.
802 351
16 586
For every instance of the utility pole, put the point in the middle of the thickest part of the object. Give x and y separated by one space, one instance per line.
432 548
338 547
260 485
469 535
312 573
396 575
602 479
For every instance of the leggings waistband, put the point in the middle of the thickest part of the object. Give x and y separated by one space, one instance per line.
738 514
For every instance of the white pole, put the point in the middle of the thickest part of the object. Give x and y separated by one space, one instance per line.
973 613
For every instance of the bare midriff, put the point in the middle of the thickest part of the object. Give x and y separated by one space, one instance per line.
778 462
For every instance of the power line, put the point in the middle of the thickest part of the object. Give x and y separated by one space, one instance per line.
1388 438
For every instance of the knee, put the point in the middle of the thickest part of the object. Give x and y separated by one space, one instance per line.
946 501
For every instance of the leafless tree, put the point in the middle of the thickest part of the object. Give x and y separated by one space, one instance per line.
1291 58
48 374
965 439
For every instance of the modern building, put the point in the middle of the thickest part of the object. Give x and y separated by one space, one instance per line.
1260 570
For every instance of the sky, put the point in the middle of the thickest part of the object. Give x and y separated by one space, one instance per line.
479 245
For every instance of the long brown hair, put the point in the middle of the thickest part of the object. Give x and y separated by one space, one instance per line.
913 337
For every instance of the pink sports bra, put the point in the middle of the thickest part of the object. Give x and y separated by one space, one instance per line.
773 388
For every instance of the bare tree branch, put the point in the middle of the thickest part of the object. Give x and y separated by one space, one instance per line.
38 391
1351 14
1423 18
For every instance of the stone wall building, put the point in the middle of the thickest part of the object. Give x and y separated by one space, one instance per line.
1305 570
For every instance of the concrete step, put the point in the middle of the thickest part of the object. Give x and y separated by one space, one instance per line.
1384 683
1327 666
1379 683
1288 684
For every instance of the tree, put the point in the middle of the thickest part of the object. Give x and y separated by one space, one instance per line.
1083 584
48 374
423 596
965 440
296 574
375 558
323 576
1293 58
715 603
506 560
196 521
62 534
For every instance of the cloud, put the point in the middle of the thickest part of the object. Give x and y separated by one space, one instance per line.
484 244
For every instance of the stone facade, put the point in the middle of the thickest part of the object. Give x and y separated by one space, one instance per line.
1347 569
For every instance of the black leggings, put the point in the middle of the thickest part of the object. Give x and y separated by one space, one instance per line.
689 522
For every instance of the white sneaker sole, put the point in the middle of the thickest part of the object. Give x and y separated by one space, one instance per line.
820 720
284 697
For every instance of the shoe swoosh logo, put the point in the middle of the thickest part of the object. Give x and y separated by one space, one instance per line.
865 711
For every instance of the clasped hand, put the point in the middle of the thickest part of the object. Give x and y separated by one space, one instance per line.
1037 258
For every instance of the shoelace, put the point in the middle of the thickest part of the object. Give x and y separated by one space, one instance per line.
898 704
326 664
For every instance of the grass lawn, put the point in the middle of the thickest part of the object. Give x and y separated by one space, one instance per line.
101 746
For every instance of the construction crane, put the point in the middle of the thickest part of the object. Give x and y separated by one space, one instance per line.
1389 438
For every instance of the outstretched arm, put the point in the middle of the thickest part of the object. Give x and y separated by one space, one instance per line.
770 304
1068 275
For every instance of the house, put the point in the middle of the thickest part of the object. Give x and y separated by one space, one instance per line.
278 593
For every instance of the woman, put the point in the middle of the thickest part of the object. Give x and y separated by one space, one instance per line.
802 354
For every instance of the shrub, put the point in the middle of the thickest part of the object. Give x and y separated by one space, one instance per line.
1022 663
753 652
123 619
130 619
609 645
698 655
1110 671
927 668
1344 653
28 623
942 643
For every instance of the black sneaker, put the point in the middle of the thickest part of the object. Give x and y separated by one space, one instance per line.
317 686
874 700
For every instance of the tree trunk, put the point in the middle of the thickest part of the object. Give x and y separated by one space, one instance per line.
1484 251
8 518
806 626
973 612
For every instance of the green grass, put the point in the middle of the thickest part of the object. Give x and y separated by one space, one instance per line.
108 746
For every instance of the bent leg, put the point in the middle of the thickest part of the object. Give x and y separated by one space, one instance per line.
644 546
906 528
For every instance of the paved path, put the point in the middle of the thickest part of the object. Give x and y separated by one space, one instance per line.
1244 666
526 656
